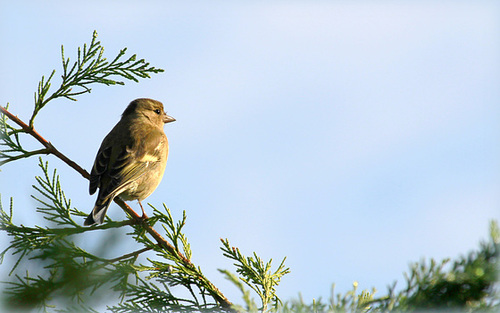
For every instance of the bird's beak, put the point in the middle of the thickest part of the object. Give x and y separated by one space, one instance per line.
168 119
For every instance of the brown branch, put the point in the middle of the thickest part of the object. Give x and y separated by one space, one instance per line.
51 149
216 294
214 291
159 239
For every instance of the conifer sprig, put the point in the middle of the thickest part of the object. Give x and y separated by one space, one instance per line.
11 148
90 68
257 274
58 208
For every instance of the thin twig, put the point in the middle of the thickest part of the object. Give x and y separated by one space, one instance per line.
51 149
24 155
129 255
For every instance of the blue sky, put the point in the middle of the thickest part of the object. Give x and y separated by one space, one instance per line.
352 138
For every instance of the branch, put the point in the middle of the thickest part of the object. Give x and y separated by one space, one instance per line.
129 255
90 68
22 156
214 291
50 149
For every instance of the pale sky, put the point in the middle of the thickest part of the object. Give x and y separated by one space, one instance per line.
353 138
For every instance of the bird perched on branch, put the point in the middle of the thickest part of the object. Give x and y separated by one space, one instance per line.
131 160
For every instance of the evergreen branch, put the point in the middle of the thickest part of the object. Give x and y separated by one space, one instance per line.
27 239
148 297
43 88
183 271
174 231
352 301
59 209
129 255
7 218
90 68
256 274
10 140
48 146
28 291
79 307
251 306
69 275
25 154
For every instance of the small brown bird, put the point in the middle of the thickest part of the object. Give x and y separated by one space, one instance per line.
131 160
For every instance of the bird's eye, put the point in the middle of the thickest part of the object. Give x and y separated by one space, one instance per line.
157 111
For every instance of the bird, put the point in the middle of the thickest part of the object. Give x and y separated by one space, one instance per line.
131 160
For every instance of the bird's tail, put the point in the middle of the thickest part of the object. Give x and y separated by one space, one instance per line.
98 212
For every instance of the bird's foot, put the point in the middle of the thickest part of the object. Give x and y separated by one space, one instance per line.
144 216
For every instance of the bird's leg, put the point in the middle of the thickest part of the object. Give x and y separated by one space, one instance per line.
144 216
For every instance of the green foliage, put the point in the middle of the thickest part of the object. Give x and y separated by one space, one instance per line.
11 148
351 301
90 68
75 275
58 208
68 269
251 305
469 284
257 275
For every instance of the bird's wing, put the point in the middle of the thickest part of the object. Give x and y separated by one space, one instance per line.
101 163
129 165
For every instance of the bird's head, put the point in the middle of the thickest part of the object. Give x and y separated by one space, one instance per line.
149 109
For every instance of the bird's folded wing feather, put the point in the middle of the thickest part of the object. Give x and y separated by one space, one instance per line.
128 166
